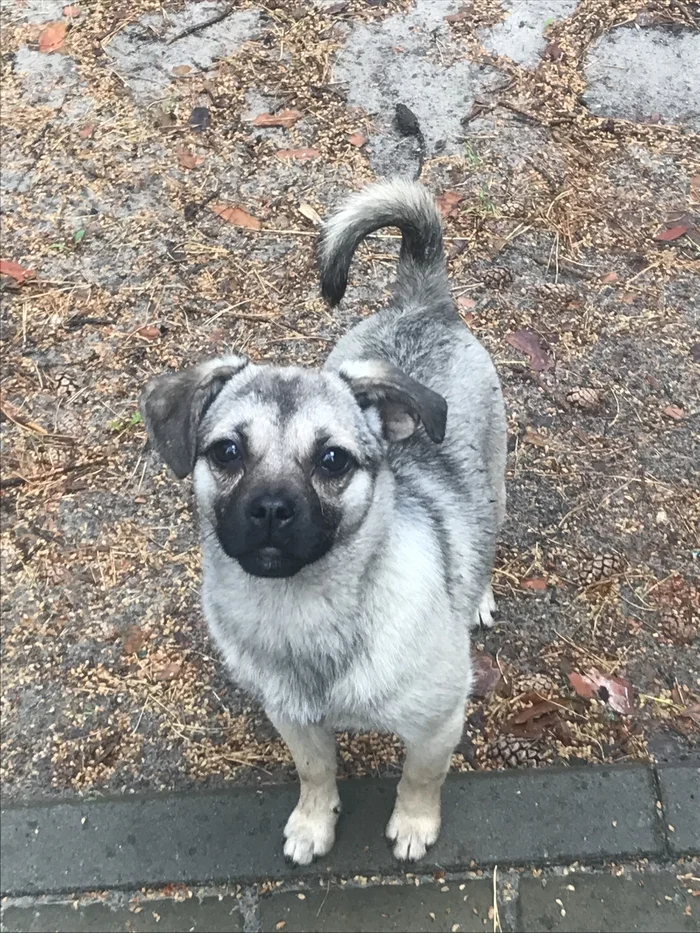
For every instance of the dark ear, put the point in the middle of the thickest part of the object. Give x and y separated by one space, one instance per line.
173 406
402 402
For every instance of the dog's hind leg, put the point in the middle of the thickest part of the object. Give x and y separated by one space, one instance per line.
310 830
415 822
487 606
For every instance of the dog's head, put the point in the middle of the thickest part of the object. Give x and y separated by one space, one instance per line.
285 459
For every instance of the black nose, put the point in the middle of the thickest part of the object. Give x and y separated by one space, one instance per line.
275 511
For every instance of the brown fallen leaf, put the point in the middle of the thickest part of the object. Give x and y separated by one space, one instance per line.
610 278
187 159
464 302
133 640
673 233
300 154
283 118
236 216
691 712
534 583
52 36
71 11
86 130
357 139
529 343
673 411
182 70
615 691
149 332
486 673
168 672
448 202
531 436
458 16
15 271
553 51
533 712
310 213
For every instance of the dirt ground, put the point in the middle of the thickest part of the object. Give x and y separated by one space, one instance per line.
152 217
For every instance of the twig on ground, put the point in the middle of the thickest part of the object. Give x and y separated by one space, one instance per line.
198 27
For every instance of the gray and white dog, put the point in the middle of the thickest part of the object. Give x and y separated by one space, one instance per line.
348 521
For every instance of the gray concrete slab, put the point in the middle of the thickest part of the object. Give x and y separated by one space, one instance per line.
637 74
653 903
560 815
404 908
210 915
520 36
680 794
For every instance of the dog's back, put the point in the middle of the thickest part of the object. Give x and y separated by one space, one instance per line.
460 480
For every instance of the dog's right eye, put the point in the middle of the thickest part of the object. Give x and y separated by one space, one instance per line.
225 453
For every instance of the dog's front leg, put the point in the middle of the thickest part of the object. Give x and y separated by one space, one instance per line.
310 830
415 822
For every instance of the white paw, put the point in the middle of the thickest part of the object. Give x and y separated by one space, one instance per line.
487 606
309 833
412 835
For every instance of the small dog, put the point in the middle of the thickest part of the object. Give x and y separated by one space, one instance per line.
348 521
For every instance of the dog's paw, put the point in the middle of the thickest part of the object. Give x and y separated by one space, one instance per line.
412 835
487 606
309 834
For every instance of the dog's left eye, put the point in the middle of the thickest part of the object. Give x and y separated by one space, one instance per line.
225 453
334 461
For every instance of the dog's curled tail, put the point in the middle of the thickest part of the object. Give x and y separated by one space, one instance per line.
393 203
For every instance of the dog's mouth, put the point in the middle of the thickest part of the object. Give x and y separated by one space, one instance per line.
269 562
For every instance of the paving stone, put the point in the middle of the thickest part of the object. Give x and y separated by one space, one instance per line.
405 908
210 915
680 793
649 903
236 835
650 73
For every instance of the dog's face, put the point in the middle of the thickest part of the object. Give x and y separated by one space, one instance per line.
285 460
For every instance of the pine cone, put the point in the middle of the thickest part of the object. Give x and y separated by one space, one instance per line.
600 567
511 752
64 385
557 291
679 627
497 277
583 397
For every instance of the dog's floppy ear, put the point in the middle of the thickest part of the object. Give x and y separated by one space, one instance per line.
174 404
402 402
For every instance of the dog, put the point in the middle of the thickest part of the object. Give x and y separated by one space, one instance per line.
348 520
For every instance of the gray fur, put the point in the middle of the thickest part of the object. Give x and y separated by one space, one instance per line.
369 629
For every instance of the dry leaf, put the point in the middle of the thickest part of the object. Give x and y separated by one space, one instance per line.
168 672
357 139
71 11
448 201
610 278
283 118
133 640
553 51
534 583
236 216
86 130
533 712
459 16
181 70
464 302
310 213
15 271
529 343
149 332
673 411
672 234
187 159
298 154
692 712
486 673
535 438
615 691
281 924
52 36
